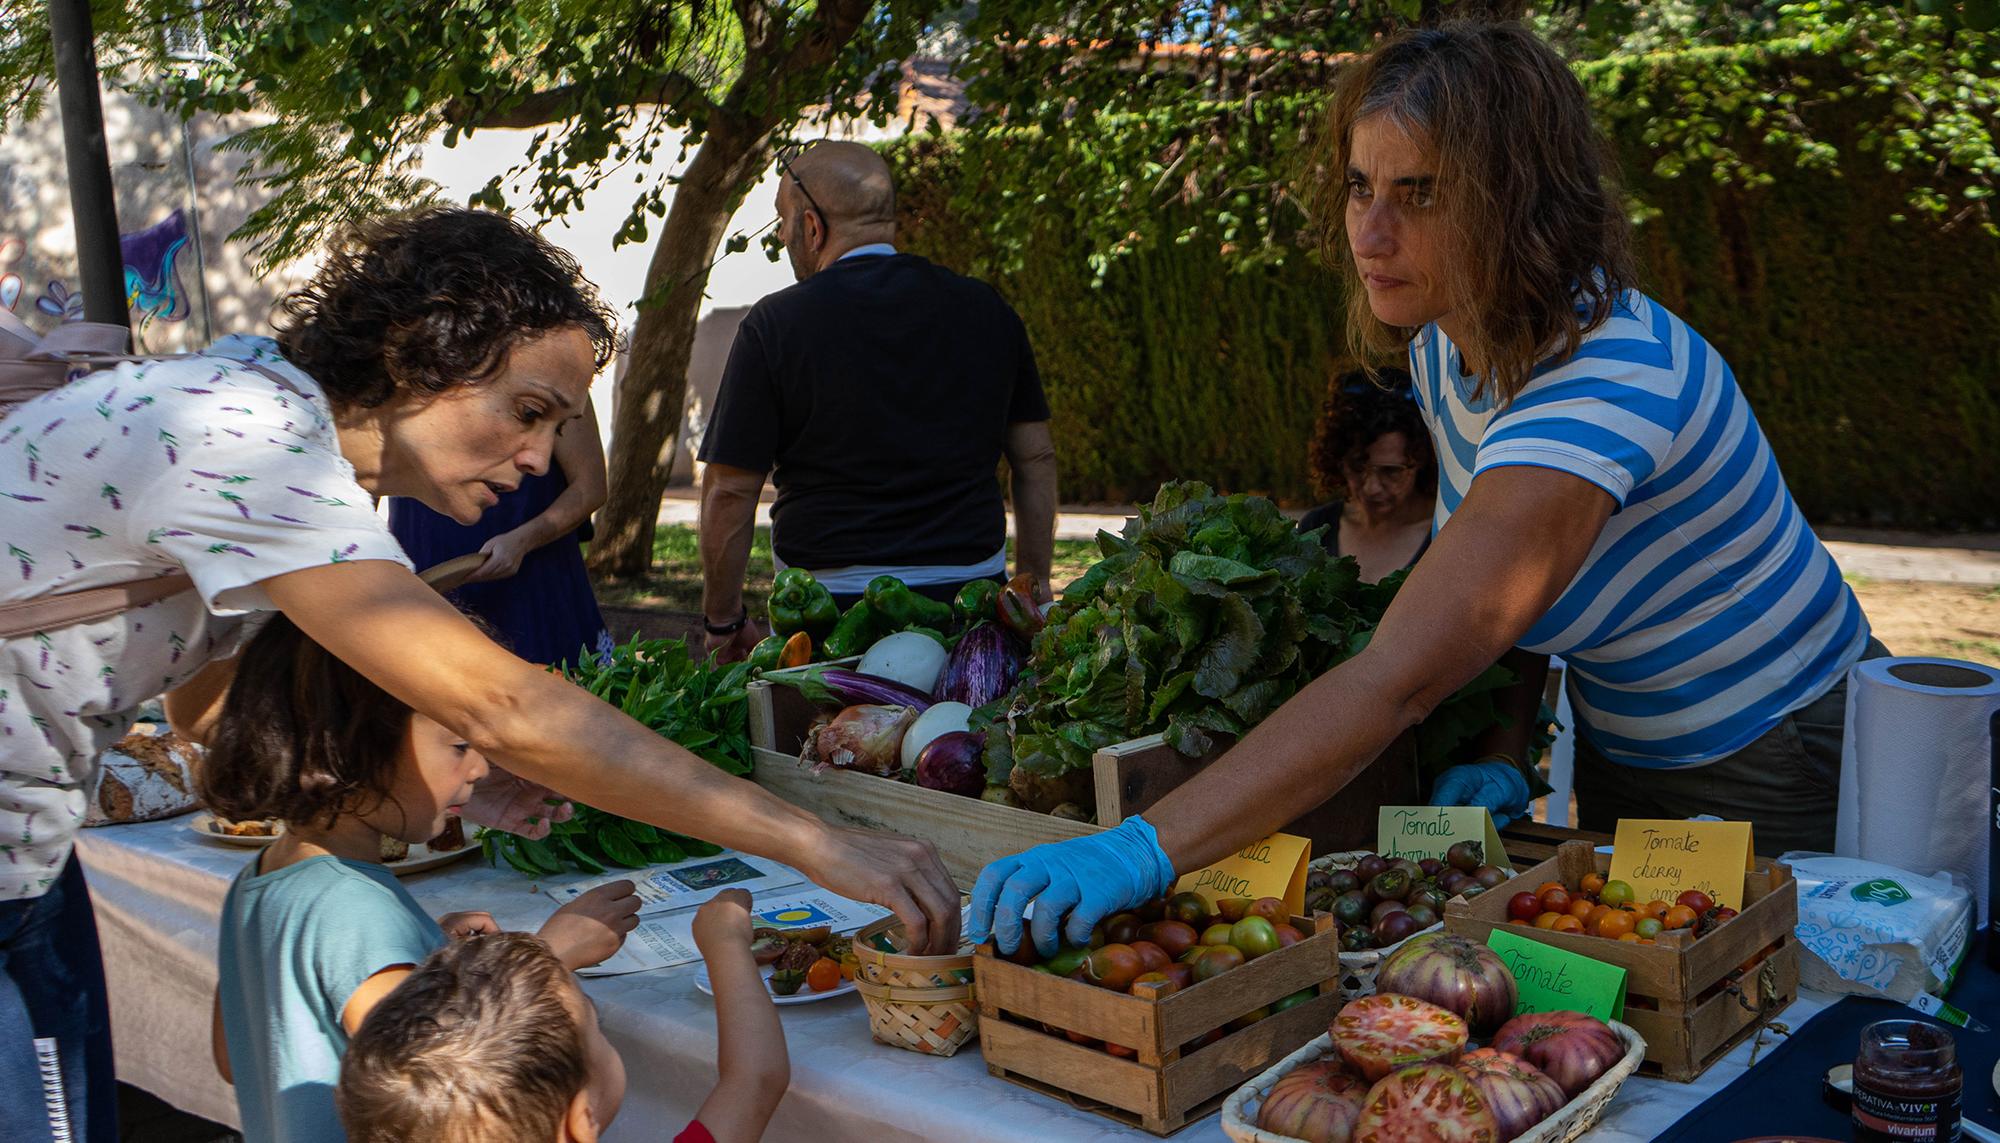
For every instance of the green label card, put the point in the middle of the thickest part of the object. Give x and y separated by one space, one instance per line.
1558 980
1417 832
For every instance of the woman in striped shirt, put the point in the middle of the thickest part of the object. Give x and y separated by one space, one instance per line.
1604 494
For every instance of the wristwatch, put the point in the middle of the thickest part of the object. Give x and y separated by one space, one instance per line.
729 628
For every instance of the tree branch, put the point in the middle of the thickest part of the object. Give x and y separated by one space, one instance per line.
553 105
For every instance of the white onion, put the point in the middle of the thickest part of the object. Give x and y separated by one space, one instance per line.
942 718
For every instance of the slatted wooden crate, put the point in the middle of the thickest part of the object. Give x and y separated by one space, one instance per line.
1693 999
969 833
1165 1085
1131 776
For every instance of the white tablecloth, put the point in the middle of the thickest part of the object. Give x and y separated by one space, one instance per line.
158 889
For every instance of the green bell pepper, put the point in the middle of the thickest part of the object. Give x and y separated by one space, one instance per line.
900 608
801 603
977 602
855 633
764 656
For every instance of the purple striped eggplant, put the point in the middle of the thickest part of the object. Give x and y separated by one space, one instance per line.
982 667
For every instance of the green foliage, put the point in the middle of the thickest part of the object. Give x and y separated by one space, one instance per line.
1206 615
1870 360
702 706
352 90
1176 361
1195 111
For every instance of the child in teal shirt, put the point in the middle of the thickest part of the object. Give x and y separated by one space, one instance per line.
316 931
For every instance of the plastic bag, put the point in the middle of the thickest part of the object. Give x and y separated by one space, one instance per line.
1873 929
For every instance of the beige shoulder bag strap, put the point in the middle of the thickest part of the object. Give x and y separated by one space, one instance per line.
28 369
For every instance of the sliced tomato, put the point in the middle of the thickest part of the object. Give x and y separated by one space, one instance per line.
1378 1034
1429 1103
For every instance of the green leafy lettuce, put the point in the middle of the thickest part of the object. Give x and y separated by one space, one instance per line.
1205 615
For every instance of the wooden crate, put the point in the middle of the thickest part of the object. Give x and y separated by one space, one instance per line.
1684 995
1531 843
779 715
1131 776
968 833
1162 1088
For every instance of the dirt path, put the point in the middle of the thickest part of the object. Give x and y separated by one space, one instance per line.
1948 620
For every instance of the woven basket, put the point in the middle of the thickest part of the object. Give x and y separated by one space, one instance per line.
1239 1112
918 1003
1358 969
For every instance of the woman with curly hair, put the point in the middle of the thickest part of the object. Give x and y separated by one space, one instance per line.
435 355
1604 494
1372 457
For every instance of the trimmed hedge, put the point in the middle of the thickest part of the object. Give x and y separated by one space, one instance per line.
1870 349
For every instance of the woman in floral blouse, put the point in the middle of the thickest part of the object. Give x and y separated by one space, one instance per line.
435 355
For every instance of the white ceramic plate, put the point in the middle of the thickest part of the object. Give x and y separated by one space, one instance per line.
803 996
205 824
422 857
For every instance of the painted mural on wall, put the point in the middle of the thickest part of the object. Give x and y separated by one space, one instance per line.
153 283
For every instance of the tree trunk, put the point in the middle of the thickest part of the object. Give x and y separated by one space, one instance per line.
651 396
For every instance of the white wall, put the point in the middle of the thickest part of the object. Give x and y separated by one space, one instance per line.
159 167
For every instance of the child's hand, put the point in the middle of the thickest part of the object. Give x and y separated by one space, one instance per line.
459 926
723 923
591 928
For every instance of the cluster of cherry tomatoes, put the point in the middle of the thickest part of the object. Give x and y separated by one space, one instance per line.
1610 909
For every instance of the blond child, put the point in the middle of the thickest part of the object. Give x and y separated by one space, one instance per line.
491 1040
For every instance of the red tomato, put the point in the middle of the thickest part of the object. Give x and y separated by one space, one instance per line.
1556 900
1523 906
1152 957
1697 900
1113 966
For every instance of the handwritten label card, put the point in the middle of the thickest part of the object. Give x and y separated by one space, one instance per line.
1557 980
1663 858
1274 867
1417 832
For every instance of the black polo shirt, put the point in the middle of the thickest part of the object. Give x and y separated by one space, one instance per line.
878 393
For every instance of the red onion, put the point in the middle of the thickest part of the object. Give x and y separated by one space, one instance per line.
954 762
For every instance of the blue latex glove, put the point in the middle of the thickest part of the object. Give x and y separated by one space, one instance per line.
1085 879
1496 785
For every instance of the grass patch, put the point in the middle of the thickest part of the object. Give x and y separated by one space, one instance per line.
674 584
1982 650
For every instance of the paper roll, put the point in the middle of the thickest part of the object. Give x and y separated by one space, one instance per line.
1915 769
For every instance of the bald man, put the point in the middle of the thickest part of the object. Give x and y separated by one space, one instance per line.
879 393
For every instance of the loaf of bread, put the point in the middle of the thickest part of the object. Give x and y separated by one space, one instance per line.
144 776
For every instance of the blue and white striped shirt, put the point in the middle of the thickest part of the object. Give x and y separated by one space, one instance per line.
1708 609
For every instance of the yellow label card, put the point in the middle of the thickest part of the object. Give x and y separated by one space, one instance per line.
1274 867
1661 859
1417 832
